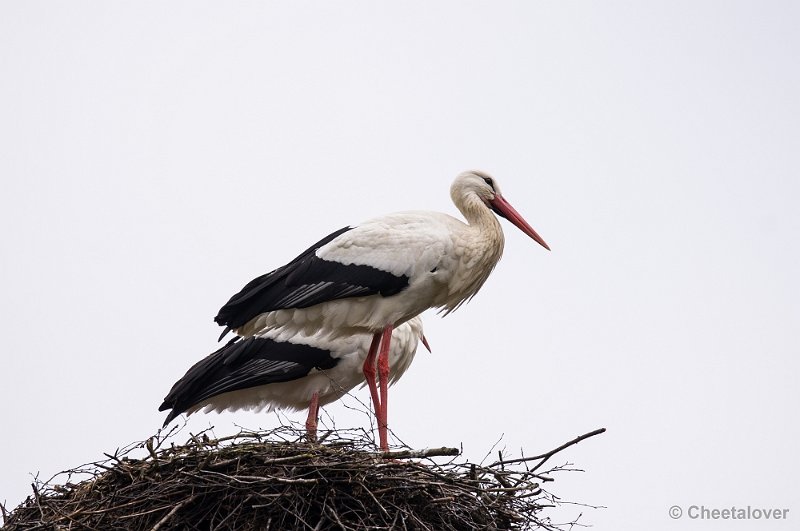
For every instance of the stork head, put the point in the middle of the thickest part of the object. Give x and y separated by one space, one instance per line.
483 186
415 324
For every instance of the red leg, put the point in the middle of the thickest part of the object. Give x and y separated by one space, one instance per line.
383 374
369 372
311 421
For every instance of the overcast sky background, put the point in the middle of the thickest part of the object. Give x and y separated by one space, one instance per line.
157 156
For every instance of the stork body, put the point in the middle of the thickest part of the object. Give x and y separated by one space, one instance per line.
287 370
375 276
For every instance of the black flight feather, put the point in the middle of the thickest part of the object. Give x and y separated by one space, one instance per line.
305 281
241 364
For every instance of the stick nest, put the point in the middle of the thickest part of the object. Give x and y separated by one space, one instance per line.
274 480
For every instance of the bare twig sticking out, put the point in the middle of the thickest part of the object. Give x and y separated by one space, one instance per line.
545 456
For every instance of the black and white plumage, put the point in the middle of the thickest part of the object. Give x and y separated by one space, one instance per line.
377 275
280 370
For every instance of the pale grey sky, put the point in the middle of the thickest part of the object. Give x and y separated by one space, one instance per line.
157 155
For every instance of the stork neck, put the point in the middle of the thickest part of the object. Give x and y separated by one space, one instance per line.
480 247
480 217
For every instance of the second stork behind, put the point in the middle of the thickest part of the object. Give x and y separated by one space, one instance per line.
285 370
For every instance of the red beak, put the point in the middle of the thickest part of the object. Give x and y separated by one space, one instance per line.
425 342
503 208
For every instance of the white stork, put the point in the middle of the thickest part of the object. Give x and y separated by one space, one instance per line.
286 370
375 276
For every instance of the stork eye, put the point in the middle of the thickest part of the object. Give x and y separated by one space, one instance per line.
489 181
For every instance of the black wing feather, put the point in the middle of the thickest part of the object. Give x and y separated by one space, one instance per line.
241 364
305 281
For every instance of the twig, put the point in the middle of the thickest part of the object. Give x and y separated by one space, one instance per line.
420 454
170 514
549 454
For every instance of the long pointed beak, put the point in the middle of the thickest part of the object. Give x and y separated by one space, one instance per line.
425 342
504 208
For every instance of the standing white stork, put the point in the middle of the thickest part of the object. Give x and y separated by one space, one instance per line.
377 275
286 370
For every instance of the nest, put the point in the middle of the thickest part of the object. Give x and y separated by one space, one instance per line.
274 480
